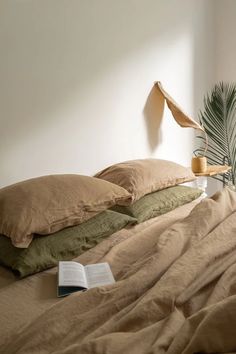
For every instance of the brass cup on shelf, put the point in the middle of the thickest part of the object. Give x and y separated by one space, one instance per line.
199 164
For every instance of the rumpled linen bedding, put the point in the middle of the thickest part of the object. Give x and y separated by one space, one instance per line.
175 293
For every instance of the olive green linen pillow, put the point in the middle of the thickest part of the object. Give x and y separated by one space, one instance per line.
45 252
144 176
47 204
160 202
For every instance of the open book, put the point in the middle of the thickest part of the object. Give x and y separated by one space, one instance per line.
73 276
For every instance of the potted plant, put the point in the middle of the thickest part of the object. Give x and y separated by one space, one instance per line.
218 119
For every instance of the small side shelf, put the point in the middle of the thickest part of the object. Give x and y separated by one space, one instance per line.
211 171
214 170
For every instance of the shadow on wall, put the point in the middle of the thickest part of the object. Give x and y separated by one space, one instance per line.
204 63
153 113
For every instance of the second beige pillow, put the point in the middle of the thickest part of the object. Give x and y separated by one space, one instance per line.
140 177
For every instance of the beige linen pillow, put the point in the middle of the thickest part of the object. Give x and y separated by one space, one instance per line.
140 177
48 204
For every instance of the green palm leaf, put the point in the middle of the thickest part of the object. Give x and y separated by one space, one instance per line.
219 122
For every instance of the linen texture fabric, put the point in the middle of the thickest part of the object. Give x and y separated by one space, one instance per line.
140 177
174 294
48 204
160 202
45 252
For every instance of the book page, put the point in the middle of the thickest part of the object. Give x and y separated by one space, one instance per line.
98 275
71 274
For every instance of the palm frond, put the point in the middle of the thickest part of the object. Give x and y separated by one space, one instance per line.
219 121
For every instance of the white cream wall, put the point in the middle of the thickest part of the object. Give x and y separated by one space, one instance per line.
226 44
75 76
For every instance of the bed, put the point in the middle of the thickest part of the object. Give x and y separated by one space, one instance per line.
174 292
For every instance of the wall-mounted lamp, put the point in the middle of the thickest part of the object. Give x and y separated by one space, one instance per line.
199 163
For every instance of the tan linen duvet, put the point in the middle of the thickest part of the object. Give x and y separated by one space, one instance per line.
174 294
